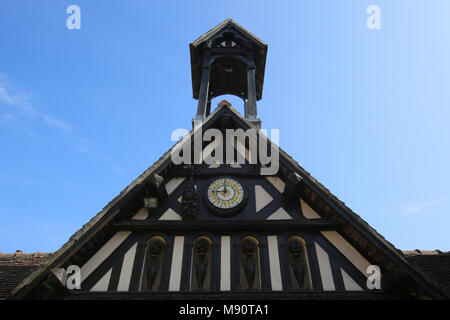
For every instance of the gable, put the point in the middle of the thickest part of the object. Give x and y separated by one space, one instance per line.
112 249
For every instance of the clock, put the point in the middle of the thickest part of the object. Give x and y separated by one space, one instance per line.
225 196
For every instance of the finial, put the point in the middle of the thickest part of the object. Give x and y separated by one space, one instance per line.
224 103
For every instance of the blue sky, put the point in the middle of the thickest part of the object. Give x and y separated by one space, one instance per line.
84 112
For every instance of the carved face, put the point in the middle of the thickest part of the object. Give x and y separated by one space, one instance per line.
156 247
202 246
295 247
248 246
189 194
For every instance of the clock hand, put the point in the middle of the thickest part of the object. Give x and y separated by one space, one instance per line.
224 190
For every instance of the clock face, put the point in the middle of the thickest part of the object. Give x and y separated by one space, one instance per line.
226 195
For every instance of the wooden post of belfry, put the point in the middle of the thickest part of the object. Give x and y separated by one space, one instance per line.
203 101
251 88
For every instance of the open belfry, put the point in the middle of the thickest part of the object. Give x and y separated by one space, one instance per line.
226 222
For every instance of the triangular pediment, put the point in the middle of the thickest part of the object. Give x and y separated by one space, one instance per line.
227 25
292 200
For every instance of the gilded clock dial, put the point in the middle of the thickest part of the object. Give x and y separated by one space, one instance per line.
225 193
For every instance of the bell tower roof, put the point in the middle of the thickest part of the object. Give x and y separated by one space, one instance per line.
206 36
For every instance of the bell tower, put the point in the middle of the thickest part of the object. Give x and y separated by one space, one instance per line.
228 60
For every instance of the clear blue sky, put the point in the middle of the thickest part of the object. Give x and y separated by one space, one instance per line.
84 112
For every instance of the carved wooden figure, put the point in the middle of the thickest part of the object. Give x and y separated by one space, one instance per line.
189 203
298 262
202 248
153 262
248 248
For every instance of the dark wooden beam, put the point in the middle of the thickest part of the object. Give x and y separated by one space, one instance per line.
204 89
225 226
245 170
230 295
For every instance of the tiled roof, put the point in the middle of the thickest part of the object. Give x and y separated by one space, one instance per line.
14 267
435 265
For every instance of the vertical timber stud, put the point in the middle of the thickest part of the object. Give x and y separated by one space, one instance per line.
245 108
251 88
